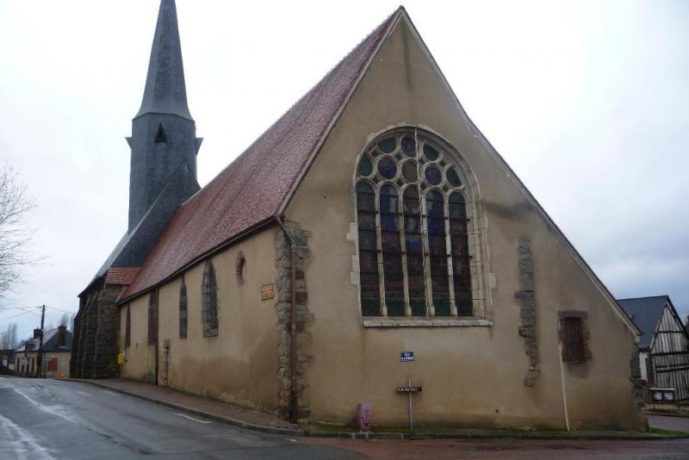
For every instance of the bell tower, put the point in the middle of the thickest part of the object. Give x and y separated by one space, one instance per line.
163 142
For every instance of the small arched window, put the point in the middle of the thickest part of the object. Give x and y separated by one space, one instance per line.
209 301
182 309
413 228
240 267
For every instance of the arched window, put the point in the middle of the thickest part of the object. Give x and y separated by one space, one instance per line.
209 301
153 317
182 309
413 228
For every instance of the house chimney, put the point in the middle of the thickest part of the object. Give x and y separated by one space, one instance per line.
61 335
37 333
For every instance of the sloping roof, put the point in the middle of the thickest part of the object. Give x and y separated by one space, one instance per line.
251 190
135 245
646 312
49 342
121 276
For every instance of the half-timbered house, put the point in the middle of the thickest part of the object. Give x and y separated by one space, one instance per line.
664 345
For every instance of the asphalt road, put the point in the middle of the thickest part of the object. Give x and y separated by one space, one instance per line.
49 419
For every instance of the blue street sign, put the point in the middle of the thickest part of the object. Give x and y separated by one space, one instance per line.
406 356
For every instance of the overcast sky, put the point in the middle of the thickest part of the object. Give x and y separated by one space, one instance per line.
587 101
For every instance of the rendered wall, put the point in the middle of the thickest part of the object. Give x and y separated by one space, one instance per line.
240 364
470 375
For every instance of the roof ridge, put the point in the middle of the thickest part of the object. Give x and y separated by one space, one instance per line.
329 73
645 297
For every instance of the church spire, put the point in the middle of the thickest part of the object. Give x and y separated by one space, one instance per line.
165 91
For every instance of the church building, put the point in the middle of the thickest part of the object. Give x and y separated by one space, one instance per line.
370 244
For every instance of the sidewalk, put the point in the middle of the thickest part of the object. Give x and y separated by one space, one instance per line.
259 421
208 408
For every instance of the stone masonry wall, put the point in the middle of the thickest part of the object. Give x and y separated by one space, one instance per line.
88 342
107 328
638 395
74 368
528 311
96 326
303 318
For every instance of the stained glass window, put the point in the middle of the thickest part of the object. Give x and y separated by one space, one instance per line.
209 301
414 246
387 167
392 250
413 237
368 249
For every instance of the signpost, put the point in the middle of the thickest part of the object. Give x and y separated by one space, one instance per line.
409 389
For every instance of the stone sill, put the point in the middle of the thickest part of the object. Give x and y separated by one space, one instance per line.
421 322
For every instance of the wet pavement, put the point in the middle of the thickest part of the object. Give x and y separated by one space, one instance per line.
49 419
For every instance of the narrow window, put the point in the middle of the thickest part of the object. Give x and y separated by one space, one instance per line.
153 317
209 301
573 337
182 309
392 250
459 241
128 328
437 251
160 135
414 246
368 252
240 267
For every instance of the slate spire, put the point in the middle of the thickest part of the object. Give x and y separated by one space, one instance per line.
163 141
165 91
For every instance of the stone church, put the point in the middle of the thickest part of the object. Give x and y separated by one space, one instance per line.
371 244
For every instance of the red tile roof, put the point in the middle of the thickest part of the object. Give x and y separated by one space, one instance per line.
121 276
251 190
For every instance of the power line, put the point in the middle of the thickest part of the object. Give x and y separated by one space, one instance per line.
58 309
19 314
20 308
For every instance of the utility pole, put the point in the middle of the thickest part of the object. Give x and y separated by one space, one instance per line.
39 370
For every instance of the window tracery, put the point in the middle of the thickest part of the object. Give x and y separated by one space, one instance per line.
414 228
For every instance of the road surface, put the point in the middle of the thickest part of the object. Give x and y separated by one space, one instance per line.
50 419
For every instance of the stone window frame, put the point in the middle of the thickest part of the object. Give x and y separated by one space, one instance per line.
209 301
183 309
574 350
480 278
153 317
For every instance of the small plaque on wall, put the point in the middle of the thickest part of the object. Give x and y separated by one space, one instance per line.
267 292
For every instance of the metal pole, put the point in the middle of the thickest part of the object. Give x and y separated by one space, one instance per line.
39 370
411 416
562 378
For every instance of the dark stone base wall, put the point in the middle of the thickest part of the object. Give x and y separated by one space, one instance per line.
638 389
96 328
